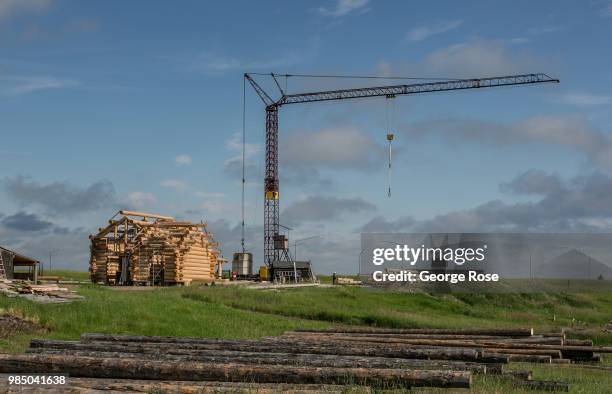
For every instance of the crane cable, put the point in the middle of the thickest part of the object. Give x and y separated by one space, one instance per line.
243 157
390 137
357 77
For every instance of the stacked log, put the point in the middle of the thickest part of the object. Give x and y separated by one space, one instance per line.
158 249
376 358
519 345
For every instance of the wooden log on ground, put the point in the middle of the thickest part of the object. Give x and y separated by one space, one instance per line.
576 355
578 350
188 370
426 342
531 352
429 344
254 346
578 342
289 347
289 359
561 361
517 332
528 358
147 386
534 339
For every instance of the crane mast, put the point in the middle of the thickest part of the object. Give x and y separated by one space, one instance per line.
275 244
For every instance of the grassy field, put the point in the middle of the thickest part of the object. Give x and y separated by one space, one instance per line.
587 312
68 275
229 312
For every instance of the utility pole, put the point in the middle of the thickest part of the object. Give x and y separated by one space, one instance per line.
299 241
50 256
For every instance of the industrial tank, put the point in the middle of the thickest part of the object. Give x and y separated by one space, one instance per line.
242 264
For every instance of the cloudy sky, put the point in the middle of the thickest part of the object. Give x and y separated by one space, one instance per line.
114 104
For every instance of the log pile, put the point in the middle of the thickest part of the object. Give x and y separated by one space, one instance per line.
303 360
140 248
347 281
44 293
520 345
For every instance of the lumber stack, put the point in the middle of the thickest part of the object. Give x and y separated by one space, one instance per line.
141 248
44 293
347 281
304 360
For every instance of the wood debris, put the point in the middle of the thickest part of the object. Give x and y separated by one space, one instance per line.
45 293
347 281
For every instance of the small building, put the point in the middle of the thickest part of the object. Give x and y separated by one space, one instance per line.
18 266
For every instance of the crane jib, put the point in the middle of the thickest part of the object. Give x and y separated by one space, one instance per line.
393 90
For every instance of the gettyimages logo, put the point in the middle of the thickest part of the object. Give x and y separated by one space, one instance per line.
435 258
405 253
487 262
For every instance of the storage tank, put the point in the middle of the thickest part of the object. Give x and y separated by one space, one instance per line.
242 264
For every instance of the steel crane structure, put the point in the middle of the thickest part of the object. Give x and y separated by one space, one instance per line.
275 244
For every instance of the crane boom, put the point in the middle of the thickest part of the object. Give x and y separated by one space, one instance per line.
397 90
274 249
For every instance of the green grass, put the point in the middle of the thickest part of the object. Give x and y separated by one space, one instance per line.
230 312
68 275
162 311
360 306
581 380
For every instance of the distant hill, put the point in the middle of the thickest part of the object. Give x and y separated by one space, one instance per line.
574 265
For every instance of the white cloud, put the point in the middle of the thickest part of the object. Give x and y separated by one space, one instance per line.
183 160
23 85
141 199
215 63
234 144
233 165
479 58
209 194
344 7
423 32
330 148
607 10
218 207
173 184
9 8
571 132
518 40
544 30
324 208
585 100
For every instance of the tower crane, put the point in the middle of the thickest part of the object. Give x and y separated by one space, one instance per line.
275 244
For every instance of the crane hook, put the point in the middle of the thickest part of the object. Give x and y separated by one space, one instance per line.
390 139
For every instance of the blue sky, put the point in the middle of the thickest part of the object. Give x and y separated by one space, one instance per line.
107 105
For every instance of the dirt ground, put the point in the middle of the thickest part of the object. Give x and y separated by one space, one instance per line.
11 325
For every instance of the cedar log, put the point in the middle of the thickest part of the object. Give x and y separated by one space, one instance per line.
254 346
288 359
517 332
189 370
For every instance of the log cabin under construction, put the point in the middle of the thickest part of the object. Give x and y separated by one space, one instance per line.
138 248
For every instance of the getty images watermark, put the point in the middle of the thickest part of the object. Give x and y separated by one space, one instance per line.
423 255
488 261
